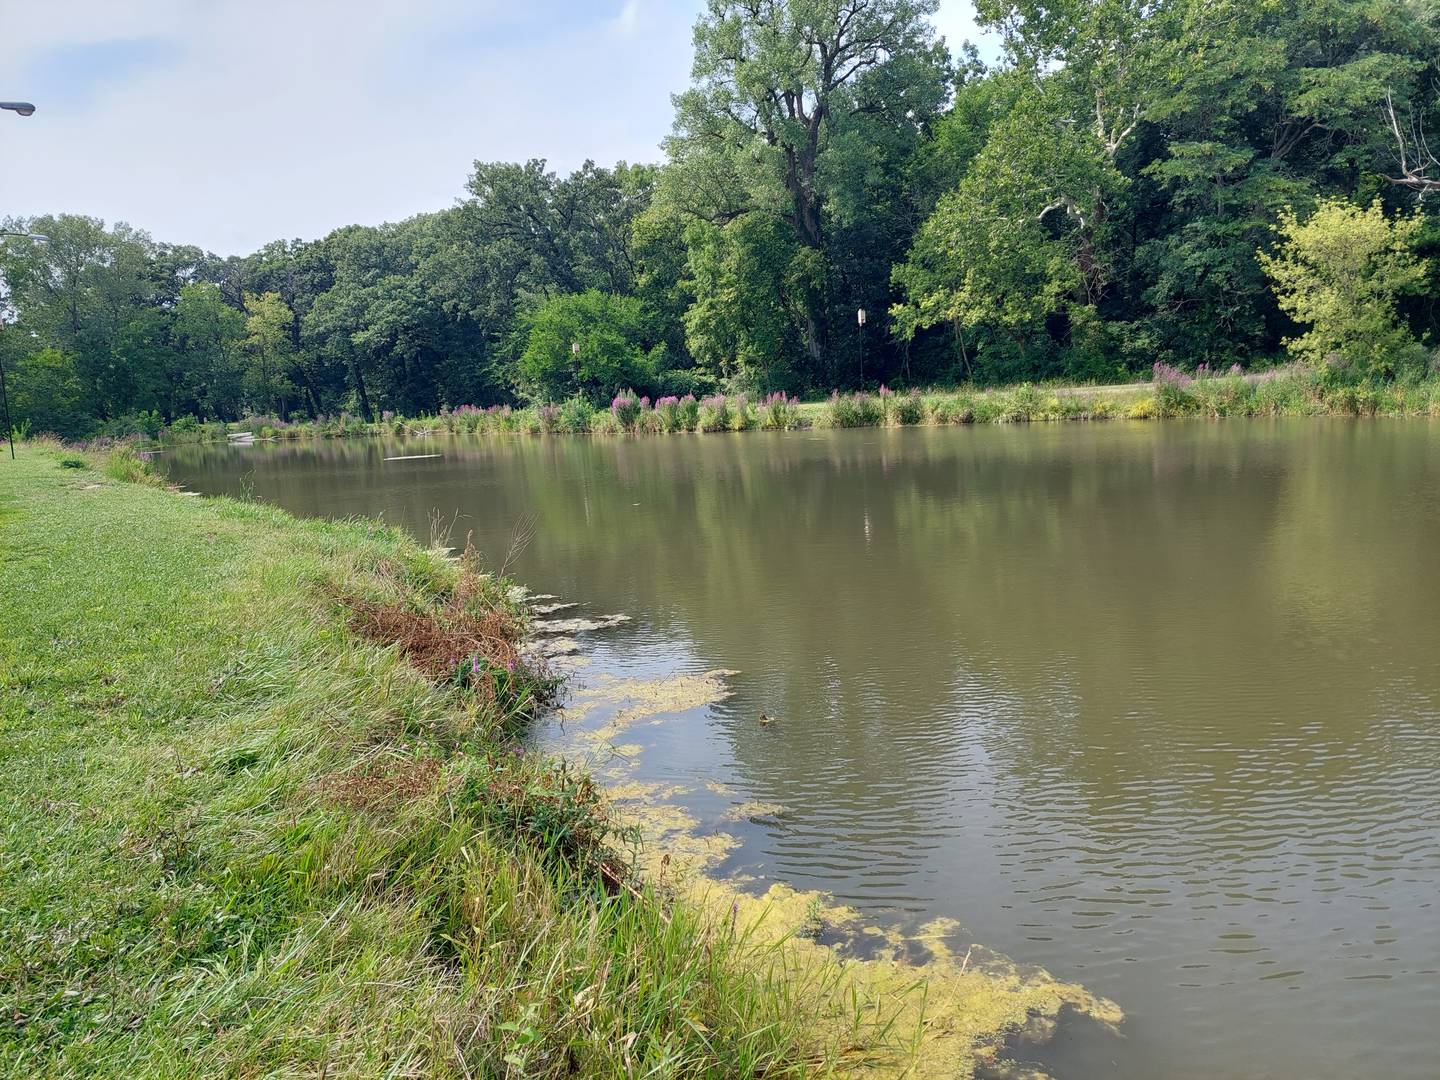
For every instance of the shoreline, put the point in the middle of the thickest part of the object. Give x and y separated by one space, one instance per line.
209 683
1282 393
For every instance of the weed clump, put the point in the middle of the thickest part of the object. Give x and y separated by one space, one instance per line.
469 638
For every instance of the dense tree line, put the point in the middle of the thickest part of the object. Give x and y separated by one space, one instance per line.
1107 195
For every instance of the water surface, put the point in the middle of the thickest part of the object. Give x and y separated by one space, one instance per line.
1154 706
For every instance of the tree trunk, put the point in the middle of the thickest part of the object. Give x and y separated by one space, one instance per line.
360 394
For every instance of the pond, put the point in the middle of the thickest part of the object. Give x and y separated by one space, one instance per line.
1153 706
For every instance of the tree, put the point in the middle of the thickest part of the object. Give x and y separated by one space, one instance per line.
207 334
742 325
48 395
1342 271
805 110
616 348
267 338
1017 240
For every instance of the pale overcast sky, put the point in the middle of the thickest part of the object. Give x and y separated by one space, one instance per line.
229 123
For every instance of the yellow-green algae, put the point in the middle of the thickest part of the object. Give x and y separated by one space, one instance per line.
945 1017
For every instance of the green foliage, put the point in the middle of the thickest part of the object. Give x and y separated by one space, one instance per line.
575 415
750 287
714 414
47 392
1341 272
853 410
780 413
125 463
615 348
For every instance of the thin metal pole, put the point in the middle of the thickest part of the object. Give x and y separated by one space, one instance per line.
5 397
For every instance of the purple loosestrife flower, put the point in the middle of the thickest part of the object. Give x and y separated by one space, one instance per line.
1168 375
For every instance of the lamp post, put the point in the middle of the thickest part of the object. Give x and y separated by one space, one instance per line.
860 321
20 108
4 393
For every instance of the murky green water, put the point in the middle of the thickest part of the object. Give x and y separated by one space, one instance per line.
1154 706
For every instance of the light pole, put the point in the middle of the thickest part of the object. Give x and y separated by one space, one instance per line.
860 321
4 393
20 108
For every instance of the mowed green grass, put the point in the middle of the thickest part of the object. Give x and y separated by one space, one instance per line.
191 884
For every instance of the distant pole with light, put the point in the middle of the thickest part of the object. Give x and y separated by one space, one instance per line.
22 108
860 321
5 397
4 393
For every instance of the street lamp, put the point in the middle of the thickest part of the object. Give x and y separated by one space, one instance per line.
20 108
860 322
4 393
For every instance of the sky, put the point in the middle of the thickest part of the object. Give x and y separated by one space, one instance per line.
230 123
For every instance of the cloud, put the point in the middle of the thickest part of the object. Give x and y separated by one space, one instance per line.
628 21
233 122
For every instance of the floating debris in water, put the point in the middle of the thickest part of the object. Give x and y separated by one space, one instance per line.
551 608
559 646
411 457
578 625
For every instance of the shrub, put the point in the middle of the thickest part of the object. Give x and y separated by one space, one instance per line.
124 463
1342 272
988 407
689 410
714 414
908 408
603 422
853 410
667 413
950 410
1023 403
1143 408
614 338
575 416
780 413
626 409
742 416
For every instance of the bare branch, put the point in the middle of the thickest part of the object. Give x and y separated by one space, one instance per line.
1419 167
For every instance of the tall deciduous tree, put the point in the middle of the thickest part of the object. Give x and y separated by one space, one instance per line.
804 110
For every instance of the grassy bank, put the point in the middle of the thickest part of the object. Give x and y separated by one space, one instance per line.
1172 394
243 837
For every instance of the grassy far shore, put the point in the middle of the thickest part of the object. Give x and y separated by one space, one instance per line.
265 814
1294 391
